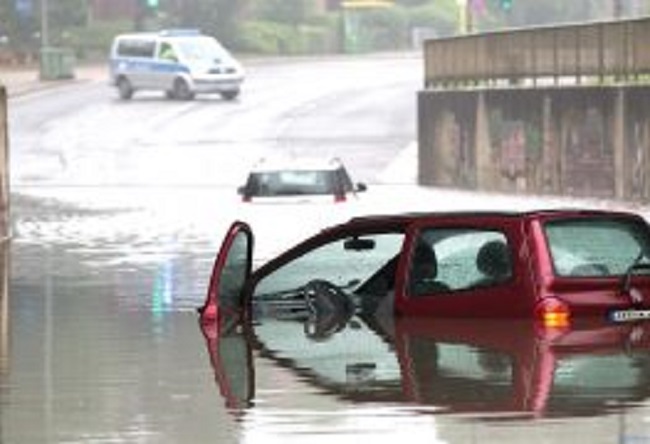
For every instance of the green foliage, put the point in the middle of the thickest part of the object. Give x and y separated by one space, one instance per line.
385 28
93 42
289 26
534 12
285 11
265 37
441 17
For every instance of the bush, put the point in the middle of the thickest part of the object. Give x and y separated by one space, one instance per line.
442 18
94 42
262 37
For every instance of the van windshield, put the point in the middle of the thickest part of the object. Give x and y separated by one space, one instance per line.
202 48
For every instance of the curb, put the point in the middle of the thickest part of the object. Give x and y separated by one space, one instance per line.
22 82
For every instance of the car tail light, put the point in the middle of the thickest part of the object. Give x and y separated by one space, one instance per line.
245 198
553 313
339 198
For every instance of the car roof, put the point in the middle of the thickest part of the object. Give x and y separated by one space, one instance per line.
293 164
554 213
165 33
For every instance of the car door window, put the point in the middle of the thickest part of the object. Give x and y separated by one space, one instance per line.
358 265
445 260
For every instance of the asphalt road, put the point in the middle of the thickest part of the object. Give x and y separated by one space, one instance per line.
362 111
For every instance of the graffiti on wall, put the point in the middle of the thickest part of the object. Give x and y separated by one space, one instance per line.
638 139
588 158
516 149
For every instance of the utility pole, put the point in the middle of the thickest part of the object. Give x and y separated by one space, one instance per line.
617 7
465 18
44 24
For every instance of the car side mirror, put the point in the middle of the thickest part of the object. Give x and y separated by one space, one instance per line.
241 190
361 187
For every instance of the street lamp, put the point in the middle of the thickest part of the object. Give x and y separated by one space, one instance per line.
464 16
618 8
44 24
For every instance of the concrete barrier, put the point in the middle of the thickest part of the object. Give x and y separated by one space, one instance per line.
578 141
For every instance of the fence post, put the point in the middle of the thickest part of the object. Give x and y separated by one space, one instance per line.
4 166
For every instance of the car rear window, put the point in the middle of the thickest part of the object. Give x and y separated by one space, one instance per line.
597 247
291 182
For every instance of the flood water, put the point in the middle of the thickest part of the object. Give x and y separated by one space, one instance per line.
99 343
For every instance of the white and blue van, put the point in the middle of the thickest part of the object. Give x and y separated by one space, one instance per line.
182 63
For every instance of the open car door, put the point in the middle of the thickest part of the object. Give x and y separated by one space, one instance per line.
222 317
230 352
231 270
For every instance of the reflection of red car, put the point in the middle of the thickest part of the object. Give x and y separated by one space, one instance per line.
552 266
488 367
509 368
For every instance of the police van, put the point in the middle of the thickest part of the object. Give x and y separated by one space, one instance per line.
182 63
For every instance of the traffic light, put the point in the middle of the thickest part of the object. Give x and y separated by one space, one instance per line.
506 5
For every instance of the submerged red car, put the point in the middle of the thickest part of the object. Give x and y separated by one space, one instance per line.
554 266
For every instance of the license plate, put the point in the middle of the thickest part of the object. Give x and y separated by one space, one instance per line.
629 315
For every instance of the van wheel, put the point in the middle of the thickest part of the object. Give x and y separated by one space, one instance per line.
182 90
124 88
230 95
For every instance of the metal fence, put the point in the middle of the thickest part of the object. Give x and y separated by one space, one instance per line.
604 51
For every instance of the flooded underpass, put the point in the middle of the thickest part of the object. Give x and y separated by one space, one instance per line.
115 227
101 343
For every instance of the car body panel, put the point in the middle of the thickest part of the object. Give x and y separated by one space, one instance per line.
531 282
230 273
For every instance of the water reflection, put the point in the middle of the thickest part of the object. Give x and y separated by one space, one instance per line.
492 369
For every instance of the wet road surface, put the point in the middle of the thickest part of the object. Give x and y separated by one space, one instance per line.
100 343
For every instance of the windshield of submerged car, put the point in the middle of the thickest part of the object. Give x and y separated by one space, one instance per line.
597 247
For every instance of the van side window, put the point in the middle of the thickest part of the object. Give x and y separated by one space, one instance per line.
136 48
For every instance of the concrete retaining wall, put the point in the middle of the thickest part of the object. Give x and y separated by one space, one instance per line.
580 140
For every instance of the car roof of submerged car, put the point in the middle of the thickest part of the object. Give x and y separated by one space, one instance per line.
553 213
265 165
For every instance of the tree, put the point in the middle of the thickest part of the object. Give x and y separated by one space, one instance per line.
292 12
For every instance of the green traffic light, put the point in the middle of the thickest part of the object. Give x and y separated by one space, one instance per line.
506 5
153 3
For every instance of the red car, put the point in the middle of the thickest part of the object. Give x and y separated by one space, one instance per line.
554 266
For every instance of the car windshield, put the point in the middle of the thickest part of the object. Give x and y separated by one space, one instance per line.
201 48
596 247
291 182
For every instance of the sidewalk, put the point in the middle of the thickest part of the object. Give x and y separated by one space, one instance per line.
21 81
